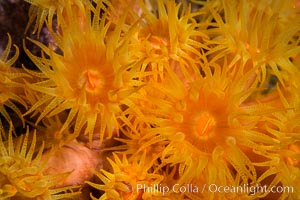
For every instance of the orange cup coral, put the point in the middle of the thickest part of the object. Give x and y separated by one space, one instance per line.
158 99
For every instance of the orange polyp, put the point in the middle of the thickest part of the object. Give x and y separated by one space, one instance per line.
251 49
91 80
158 42
205 123
296 150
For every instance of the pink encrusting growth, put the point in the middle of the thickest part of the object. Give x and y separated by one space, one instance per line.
21 171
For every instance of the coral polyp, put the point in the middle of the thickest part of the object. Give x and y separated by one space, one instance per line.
241 39
43 10
142 99
170 37
87 78
11 89
126 178
207 121
21 171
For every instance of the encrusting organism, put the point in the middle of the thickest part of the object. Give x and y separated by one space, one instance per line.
21 171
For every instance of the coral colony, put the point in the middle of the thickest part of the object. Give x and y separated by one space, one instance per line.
135 99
